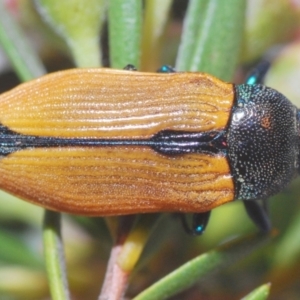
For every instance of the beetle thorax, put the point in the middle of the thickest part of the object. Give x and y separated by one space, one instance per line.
263 140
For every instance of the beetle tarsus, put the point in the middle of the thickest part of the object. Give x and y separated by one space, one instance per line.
130 67
166 69
258 213
199 223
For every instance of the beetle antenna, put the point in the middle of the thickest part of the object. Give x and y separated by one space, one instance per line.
258 213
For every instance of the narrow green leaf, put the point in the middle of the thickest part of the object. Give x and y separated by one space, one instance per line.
203 265
218 44
191 26
260 293
54 256
125 19
79 23
16 46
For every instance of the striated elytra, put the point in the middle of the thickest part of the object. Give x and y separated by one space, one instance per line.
103 142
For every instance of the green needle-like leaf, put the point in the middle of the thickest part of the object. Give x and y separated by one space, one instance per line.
203 265
191 26
125 21
260 293
217 28
54 255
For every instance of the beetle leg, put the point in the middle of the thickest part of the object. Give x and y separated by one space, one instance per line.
258 213
199 223
257 75
166 69
130 67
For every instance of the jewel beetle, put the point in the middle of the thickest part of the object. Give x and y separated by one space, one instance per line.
101 142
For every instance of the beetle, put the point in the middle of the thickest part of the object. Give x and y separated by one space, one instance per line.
101 142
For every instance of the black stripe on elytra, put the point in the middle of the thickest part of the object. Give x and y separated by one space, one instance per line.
168 142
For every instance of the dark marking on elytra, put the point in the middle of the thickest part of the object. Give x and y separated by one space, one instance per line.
167 142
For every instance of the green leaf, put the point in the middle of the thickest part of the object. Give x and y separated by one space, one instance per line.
217 28
79 23
54 256
125 21
260 293
201 266
191 26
